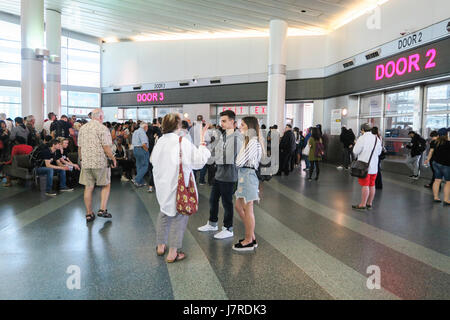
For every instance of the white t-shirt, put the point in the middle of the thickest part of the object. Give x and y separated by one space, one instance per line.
363 148
47 125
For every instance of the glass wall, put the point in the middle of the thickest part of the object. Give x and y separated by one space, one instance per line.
10 101
80 68
80 73
421 109
437 108
10 58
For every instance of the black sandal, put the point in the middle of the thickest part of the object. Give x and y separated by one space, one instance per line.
104 213
90 217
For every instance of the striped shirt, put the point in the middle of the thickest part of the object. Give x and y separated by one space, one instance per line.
250 156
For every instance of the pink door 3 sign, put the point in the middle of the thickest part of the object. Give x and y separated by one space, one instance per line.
150 97
405 65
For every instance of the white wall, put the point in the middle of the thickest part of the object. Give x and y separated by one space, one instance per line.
127 63
396 16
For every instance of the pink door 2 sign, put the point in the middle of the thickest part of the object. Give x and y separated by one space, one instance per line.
406 65
150 97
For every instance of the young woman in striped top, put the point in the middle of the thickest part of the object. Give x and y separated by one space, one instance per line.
247 190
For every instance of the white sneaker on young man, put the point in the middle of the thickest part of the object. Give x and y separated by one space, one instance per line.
340 168
124 179
225 233
207 227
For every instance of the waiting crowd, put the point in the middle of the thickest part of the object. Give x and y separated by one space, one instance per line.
167 155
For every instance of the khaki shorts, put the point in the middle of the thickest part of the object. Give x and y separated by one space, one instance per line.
92 177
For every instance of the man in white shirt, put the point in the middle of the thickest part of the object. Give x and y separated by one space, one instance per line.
367 149
48 123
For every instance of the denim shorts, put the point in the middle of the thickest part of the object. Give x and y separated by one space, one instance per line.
441 171
248 185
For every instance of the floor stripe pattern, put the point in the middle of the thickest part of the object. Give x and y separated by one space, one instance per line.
311 245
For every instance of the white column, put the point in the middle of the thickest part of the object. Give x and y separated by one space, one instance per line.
298 115
53 40
276 89
32 30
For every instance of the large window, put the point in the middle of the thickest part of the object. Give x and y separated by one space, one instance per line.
80 63
10 51
10 101
437 108
372 105
80 67
10 58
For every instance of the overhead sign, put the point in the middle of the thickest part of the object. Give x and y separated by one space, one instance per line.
238 110
258 110
244 110
407 64
150 97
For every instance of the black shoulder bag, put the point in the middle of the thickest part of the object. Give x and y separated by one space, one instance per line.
360 169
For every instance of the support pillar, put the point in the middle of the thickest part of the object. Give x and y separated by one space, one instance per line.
276 94
32 32
53 40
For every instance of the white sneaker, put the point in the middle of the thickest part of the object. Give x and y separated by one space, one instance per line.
340 168
124 179
207 227
225 233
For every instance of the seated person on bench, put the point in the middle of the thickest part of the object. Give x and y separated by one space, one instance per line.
20 148
47 157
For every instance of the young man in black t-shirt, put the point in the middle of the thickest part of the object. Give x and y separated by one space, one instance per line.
47 155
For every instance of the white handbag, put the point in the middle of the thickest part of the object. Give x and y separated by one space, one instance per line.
306 149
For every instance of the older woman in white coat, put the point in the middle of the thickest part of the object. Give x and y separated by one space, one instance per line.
166 160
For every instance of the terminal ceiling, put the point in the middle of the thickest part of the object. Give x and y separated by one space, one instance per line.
131 19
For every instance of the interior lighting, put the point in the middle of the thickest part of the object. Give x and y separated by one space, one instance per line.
344 112
227 35
186 115
111 39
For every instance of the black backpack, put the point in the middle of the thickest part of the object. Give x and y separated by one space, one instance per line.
34 157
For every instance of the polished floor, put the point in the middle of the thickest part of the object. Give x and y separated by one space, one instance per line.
312 245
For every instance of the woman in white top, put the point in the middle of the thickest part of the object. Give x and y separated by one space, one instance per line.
247 191
166 161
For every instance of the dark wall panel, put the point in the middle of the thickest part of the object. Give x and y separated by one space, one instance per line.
347 82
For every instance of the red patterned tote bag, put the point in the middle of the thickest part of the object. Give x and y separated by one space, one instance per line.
187 201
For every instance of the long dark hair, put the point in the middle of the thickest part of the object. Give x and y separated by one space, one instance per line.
315 133
376 132
252 123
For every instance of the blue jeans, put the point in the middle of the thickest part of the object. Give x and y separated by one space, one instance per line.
307 163
142 158
44 171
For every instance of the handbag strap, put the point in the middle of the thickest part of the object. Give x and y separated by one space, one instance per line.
181 155
373 149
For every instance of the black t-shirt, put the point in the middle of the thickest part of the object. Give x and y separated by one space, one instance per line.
441 153
46 154
61 127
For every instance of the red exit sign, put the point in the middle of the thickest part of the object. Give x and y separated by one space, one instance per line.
406 65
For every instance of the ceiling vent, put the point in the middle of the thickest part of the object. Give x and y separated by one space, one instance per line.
183 84
116 89
137 88
373 54
214 81
349 63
